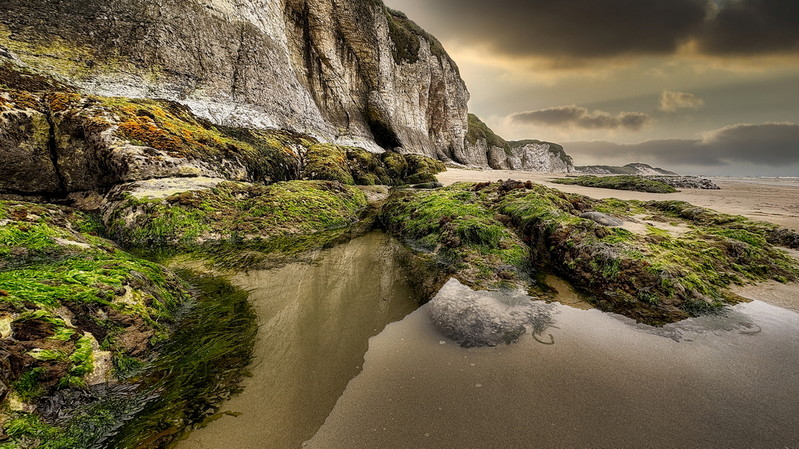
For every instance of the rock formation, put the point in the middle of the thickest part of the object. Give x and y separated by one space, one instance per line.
486 149
687 182
636 168
349 72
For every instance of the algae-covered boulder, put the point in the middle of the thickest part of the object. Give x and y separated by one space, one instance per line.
663 268
458 230
667 261
99 348
57 143
229 213
75 310
357 166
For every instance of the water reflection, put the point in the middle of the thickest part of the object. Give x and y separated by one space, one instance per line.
316 319
716 382
726 321
488 318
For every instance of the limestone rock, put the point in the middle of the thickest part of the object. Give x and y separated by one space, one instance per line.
534 155
484 148
635 168
350 72
27 166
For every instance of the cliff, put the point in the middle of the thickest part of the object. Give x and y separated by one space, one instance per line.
484 148
350 72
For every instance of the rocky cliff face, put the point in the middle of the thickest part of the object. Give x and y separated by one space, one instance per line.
350 72
484 148
534 155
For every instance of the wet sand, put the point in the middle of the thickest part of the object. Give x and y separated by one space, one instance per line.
776 202
726 382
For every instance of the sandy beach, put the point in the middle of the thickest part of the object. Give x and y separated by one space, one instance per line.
773 202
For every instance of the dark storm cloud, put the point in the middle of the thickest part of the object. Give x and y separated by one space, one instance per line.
574 28
575 116
569 30
753 26
771 144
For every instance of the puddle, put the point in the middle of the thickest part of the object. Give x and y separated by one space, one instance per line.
566 294
315 322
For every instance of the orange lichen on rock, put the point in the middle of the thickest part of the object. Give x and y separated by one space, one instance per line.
61 101
24 100
144 130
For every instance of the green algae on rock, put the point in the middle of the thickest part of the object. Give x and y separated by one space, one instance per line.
286 216
350 165
81 322
56 143
650 274
621 182
67 290
457 228
654 275
75 303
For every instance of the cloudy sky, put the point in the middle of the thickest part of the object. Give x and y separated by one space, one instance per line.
698 86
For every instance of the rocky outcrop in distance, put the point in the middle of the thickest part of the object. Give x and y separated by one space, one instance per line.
486 149
636 168
349 72
687 182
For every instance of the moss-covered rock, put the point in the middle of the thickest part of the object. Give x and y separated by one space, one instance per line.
54 143
655 274
457 229
621 182
266 218
72 297
99 348
350 165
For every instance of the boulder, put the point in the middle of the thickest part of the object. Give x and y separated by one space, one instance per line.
603 219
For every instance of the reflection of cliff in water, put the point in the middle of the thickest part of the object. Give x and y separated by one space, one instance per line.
729 382
315 322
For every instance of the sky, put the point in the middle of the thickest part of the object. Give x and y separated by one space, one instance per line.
697 86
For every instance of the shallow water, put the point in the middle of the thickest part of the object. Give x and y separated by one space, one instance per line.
725 381
729 381
315 323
